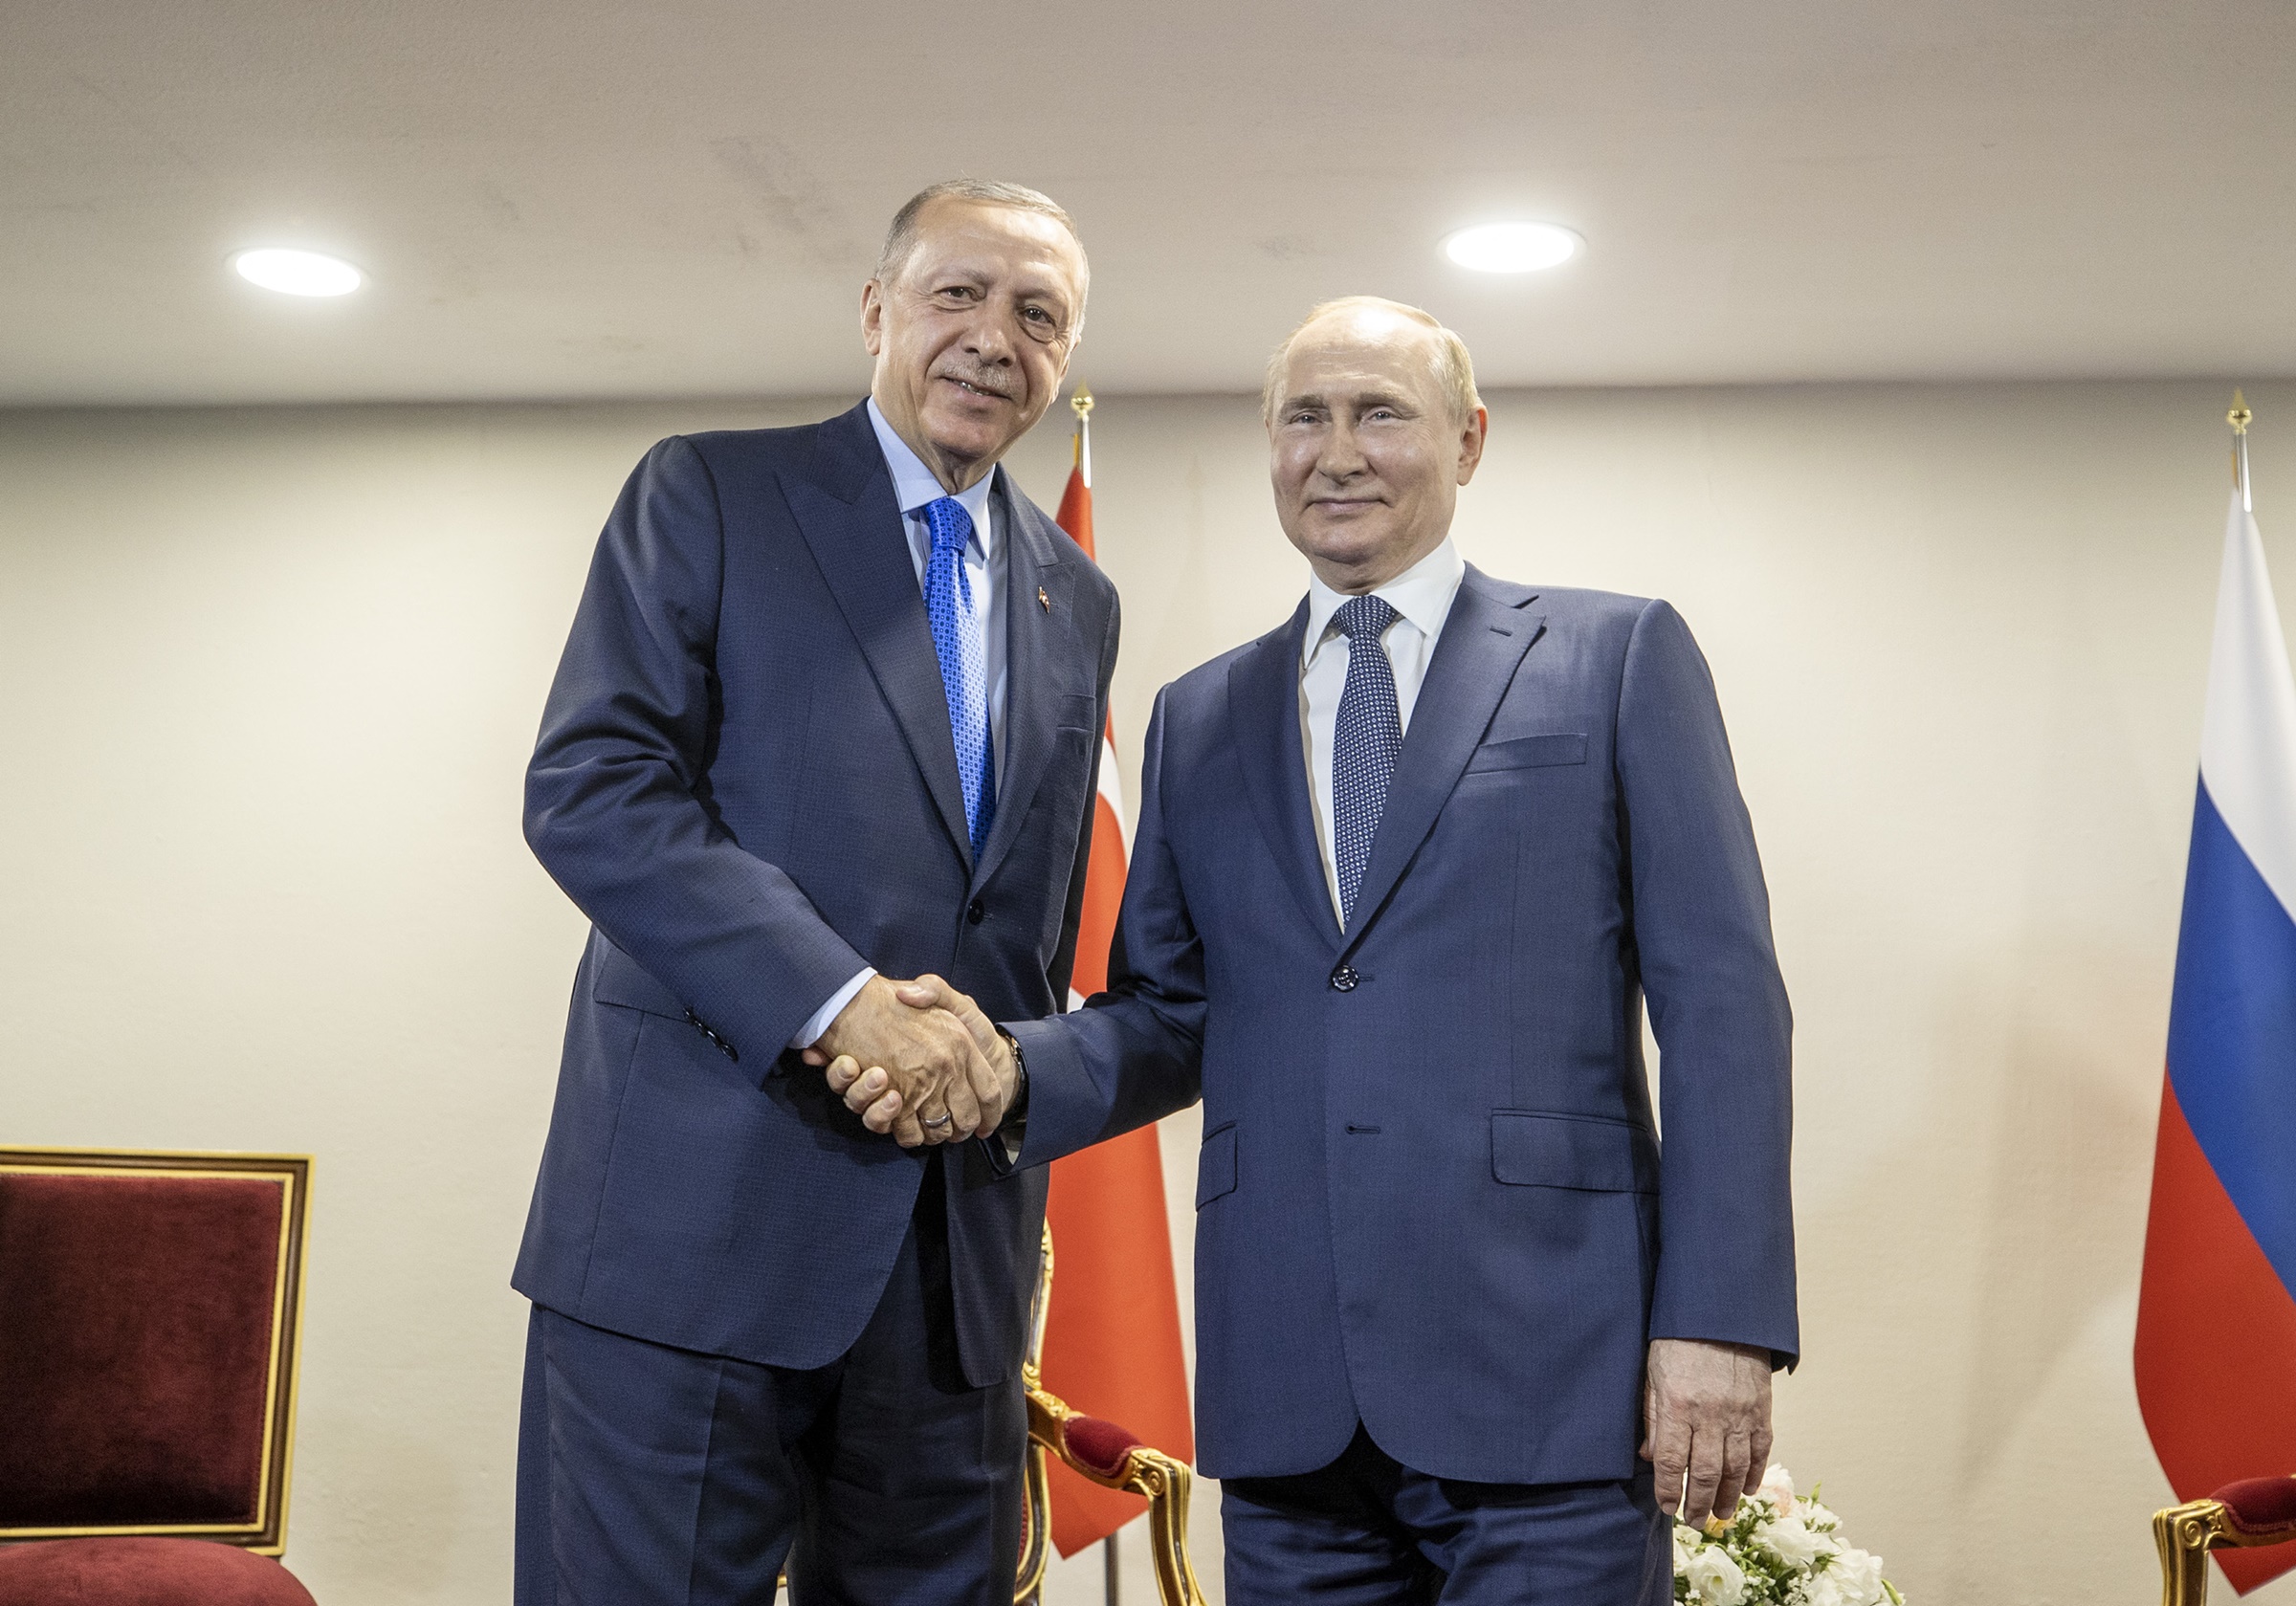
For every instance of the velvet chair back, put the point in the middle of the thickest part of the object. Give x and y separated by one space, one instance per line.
148 1311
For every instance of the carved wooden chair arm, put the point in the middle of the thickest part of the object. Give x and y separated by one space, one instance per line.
2253 1511
1114 1459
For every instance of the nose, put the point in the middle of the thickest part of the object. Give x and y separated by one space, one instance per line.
1342 455
986 339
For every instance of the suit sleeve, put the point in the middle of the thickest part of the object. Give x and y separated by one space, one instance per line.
1701 923
1132 1054
614 809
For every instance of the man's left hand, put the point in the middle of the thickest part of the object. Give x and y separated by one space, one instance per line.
1705 1414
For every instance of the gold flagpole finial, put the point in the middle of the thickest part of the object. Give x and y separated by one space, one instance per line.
1080 402
2240 418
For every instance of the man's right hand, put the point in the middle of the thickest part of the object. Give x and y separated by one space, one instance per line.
872 1093
934 1073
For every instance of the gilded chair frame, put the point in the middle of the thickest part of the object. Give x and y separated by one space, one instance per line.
1165 1480
267 1534
2184 1536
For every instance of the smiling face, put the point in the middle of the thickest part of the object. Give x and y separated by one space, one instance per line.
1364 451
973 333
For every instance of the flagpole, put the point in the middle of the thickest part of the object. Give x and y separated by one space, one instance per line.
1081 403
2240 418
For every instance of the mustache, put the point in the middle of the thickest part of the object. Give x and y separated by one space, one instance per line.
980 377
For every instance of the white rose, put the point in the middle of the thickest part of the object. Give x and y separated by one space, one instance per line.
1685 1544
1855 1575
1822 1590
1714 1578
1777 1490
1790 1539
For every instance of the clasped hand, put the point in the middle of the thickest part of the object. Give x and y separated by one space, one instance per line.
919 1060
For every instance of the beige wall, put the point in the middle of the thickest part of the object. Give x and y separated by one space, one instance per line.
269 680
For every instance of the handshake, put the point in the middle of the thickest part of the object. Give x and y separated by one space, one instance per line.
919 1060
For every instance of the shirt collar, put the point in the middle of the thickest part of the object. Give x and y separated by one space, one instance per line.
1422 593
914 484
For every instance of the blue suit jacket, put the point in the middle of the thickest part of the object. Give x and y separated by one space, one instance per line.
1430 1196
746 779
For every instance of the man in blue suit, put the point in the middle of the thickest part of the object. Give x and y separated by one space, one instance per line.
830 708
1408 868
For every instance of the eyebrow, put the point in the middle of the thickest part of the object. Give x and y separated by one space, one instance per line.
1049 289
1021 288
1369 399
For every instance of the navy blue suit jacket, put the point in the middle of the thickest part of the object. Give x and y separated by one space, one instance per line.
746 779
1430 1196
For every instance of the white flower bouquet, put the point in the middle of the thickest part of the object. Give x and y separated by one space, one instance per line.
1778 1551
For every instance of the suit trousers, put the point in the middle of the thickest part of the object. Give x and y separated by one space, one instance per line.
649 1476
1366 1530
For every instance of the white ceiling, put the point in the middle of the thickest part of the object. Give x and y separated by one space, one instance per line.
594 198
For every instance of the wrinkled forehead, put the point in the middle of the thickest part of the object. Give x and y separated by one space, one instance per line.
984 238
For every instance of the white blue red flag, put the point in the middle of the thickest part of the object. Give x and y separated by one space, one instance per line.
2215 1325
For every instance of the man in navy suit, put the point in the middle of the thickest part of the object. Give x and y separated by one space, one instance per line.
830 708
1408 868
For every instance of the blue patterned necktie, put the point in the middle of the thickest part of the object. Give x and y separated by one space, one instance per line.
961 641
1366 737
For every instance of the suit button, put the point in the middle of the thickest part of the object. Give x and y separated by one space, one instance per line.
1344 980
976 911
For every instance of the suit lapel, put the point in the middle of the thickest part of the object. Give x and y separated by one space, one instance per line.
853 525
1263 707
1483 640
1038 638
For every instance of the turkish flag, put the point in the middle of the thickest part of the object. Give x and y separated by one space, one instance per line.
1112 1334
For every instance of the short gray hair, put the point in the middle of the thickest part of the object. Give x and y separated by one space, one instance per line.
1454 368
902 237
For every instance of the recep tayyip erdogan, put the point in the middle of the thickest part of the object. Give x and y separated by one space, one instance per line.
831 707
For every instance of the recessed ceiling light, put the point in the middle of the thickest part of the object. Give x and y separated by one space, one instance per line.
1511 247
298 273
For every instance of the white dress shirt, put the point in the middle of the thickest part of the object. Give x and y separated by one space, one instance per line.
912 487
1421 599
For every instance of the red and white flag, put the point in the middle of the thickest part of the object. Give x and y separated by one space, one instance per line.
1112 1334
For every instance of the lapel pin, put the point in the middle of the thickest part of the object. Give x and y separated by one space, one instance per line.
1042 601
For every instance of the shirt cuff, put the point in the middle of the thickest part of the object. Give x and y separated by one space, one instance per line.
810 1032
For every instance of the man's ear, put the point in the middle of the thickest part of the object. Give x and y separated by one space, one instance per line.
872 317
1471 443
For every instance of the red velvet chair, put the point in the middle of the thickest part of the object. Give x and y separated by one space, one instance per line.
148 1311
1108 1455
2253 1511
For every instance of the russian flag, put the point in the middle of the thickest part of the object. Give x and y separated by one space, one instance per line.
2215 1324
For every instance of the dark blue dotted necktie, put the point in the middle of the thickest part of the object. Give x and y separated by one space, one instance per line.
961 641
1367 737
